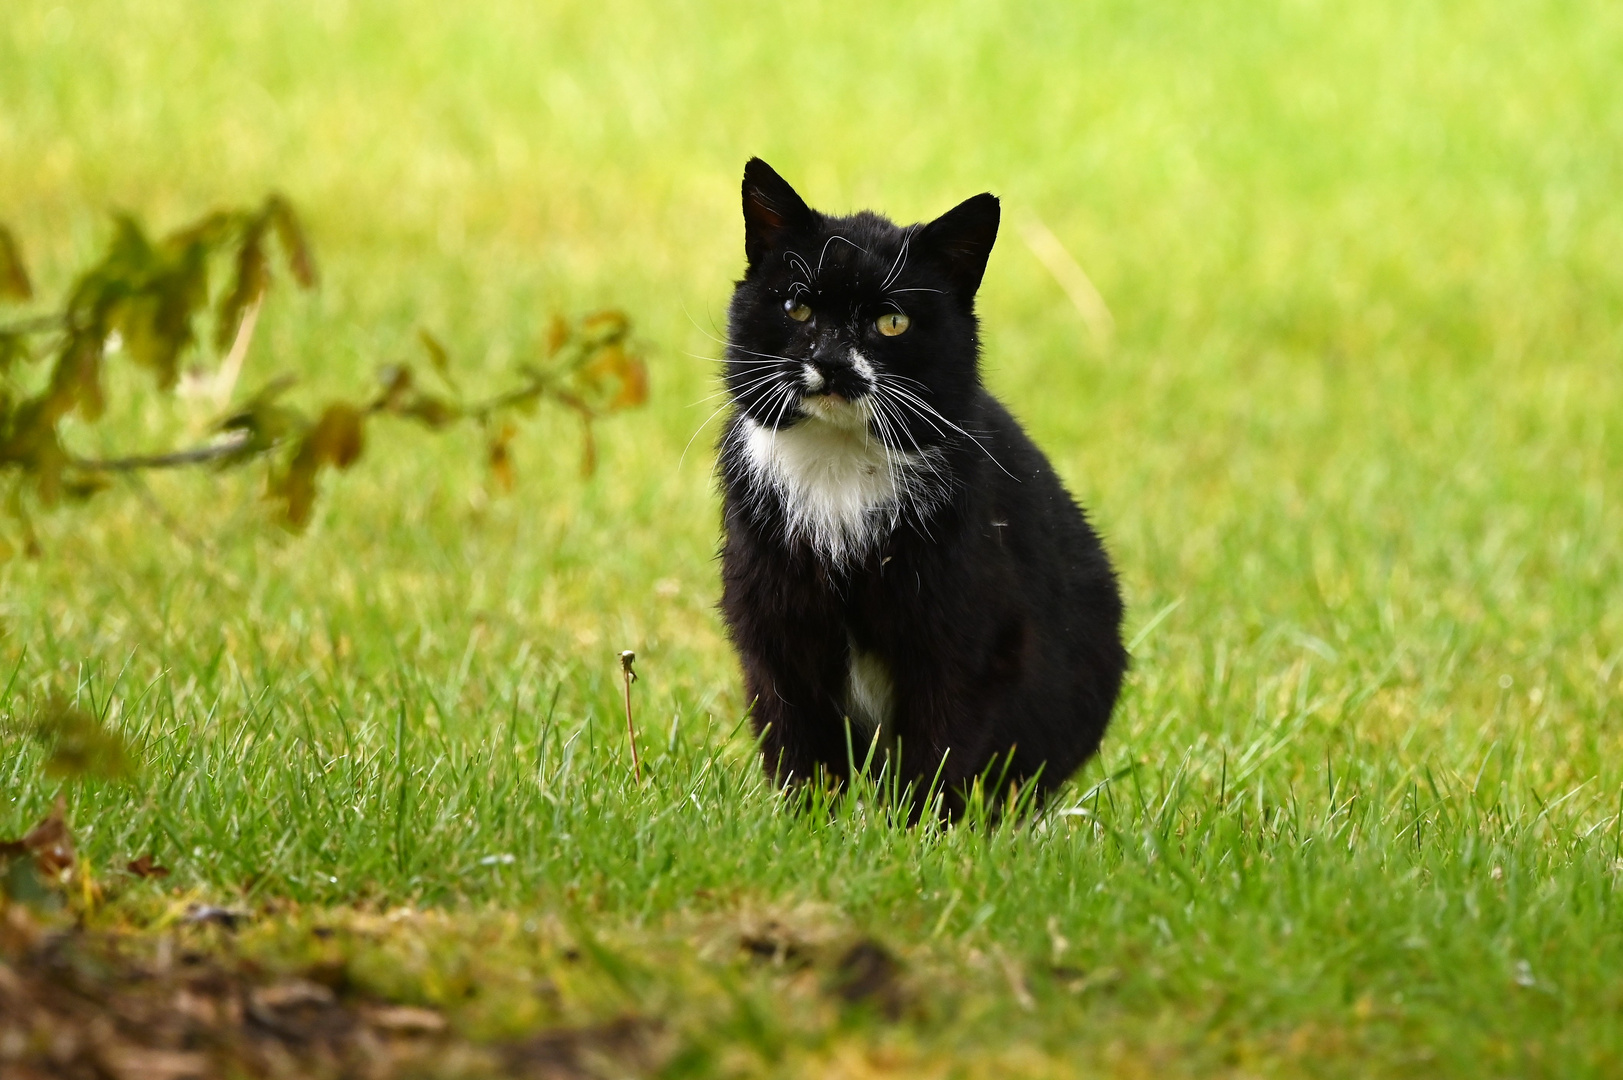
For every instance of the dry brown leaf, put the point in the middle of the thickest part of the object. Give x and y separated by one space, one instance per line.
14 282
869 974
615 377
339 436
50 842
290 231
557 335
438 354
604 326
147 867
253 278
501 458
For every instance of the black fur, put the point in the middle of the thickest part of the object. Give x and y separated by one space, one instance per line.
990 601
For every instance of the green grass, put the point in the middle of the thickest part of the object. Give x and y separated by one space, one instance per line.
1355 449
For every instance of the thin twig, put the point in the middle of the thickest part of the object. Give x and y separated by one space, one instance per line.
232 443
1053 254
541 384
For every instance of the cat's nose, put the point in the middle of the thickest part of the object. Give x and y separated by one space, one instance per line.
832 355
839 371
827 354
833 366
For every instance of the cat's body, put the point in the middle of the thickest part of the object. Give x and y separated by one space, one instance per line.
898 554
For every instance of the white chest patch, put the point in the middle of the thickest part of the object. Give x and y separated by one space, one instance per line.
870 702
842 488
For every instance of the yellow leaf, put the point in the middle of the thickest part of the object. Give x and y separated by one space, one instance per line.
295 245
253 277
339 436
14 281
501 458
615 377
557 335
438 354
337 439
602 327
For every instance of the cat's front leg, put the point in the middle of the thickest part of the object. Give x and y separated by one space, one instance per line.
800 725
785 620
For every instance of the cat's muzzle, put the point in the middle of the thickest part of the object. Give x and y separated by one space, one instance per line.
834 378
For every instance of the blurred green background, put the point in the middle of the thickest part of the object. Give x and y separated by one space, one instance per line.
1355 439
1362 258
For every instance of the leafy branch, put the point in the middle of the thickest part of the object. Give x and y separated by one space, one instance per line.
146 299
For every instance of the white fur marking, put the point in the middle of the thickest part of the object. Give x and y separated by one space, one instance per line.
835 480
870 702
860 364
841 487
811 377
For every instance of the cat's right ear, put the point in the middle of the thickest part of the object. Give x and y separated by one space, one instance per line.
962 239
772 210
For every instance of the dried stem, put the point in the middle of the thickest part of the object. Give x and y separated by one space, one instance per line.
224 381
628 658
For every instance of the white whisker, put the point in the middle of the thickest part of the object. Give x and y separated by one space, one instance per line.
766 355
824 253
900 263
901 421
901 403
923 486
778 361
794 259
919 403
742 389
684 455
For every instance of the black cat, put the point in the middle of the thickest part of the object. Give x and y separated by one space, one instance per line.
898 554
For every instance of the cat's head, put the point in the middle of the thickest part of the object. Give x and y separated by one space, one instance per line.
856 321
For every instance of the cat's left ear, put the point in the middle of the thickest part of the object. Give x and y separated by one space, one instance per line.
962 241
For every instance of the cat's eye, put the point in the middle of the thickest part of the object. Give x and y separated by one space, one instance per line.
796 310
892 323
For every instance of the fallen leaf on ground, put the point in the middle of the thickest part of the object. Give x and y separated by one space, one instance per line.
147 867
869 974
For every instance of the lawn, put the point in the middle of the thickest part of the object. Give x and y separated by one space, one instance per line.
1354 444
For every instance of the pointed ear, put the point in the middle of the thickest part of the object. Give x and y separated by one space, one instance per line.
771 210
961 240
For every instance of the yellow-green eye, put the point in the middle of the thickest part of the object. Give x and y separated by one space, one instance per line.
892 323
796 310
